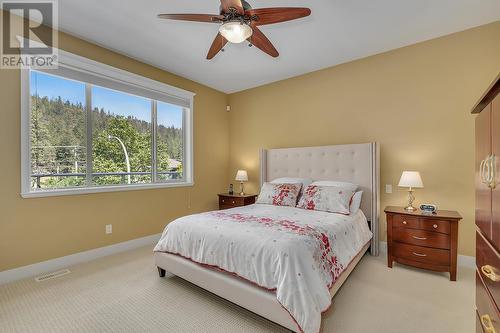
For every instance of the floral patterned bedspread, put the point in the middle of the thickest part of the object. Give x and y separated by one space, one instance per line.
297 253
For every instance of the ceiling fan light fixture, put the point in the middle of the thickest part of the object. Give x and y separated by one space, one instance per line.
236 31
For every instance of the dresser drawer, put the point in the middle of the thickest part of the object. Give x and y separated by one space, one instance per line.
487 311
403 221
435 225
421 238
421 254
232 202
488 266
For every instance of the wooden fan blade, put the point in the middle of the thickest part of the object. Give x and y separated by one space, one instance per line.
217 45
276 15
193 17
236 4
260 40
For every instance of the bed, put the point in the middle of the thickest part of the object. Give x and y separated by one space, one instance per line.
268 273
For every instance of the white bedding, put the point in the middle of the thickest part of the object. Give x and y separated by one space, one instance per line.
297 253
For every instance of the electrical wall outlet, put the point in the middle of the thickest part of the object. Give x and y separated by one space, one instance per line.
388 188
109 229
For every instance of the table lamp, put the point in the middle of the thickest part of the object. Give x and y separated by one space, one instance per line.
242 177
411 179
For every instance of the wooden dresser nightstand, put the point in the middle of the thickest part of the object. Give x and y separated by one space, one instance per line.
227 200
426 241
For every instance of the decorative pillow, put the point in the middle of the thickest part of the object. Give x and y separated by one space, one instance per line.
356 202
326 198
292 180
279 194
350 186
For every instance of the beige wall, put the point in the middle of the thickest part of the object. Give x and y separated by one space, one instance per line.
415 101
33 230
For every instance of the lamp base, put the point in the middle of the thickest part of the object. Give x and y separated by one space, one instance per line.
242 193
411 198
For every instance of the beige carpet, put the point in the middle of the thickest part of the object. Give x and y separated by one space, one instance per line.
123 293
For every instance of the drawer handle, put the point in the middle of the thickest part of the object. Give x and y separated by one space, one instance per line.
223 200
435 226
487 324
405 223
233 202
489 272
419 238
419 254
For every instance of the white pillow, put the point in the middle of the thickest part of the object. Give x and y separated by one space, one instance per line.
350 186
292 180
355 202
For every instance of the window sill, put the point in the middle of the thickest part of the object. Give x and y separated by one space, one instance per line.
101 189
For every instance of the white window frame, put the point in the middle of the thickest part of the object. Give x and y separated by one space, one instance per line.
121 77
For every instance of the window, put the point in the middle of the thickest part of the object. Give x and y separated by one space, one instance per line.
85 132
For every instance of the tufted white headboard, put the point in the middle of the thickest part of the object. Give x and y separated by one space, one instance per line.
355 163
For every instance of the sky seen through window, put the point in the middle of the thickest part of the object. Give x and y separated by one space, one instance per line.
119 103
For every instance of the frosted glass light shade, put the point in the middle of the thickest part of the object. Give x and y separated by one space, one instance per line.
235 32
411 179
241 176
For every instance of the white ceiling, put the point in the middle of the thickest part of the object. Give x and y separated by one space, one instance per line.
336 32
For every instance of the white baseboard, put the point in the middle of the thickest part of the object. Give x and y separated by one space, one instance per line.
74 259
462 261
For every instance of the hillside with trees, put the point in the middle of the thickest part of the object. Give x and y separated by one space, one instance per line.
58 145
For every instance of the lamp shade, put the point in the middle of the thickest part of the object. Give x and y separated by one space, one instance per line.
241 176
411 179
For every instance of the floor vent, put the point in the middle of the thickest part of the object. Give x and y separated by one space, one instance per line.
52 275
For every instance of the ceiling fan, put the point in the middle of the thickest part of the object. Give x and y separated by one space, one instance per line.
239 22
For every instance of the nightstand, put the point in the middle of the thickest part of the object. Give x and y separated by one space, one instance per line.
421 240
227 200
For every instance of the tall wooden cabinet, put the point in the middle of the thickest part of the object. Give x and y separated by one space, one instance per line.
488 210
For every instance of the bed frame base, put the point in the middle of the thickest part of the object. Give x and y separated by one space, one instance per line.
237 290
161 271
